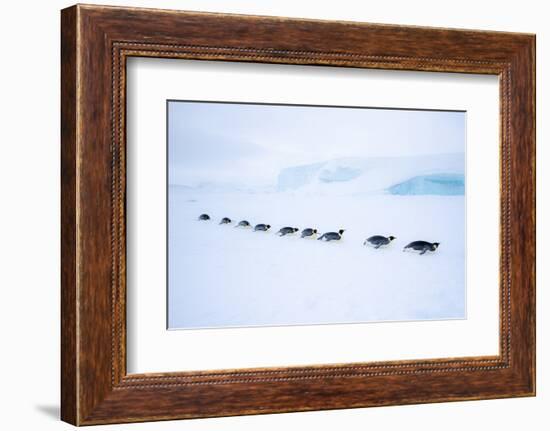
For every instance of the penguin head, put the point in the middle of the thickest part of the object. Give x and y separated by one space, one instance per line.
314 230
296 229
267 226
435 245
341 231
391 238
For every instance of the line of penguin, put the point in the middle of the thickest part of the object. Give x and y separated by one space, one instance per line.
376 241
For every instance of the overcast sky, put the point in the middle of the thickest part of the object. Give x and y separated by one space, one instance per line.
250 144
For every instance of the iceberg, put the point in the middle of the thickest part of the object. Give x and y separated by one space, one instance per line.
439 174
340 173
437 184
296 177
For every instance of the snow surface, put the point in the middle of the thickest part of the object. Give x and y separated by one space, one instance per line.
222 276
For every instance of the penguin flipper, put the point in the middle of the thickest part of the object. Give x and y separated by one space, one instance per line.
377 246
423 251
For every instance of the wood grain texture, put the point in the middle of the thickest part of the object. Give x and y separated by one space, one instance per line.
96 41
69 364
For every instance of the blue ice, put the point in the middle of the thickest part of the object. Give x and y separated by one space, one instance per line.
434 184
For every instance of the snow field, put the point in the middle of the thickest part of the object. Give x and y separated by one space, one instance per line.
222 276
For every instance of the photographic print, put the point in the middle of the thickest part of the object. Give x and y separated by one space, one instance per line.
305 215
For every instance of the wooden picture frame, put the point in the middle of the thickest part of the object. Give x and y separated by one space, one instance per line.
95 43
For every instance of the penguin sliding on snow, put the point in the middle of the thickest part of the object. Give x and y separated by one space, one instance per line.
378 241
261 227
421 246
204 217
243 223
308 233
287 231
332 236
225 220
